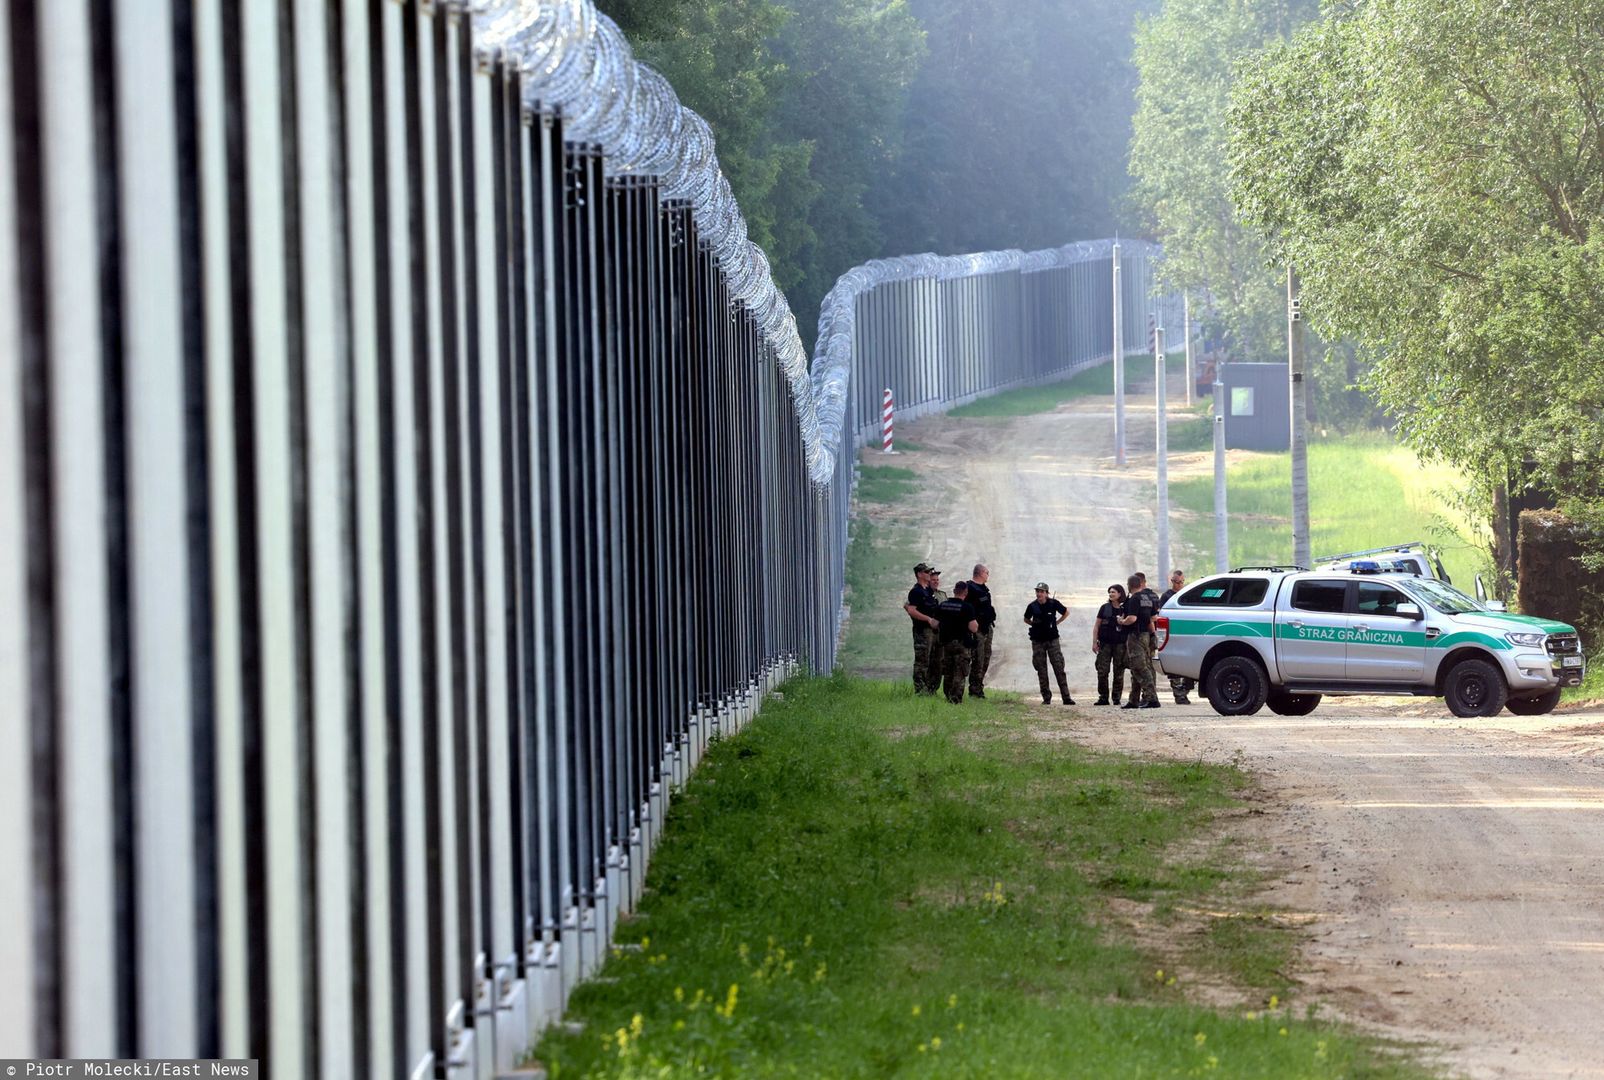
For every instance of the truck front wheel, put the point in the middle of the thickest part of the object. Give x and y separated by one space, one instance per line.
1237 686
1475 688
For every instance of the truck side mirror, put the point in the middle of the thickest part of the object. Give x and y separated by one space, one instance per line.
1497 605
1410 611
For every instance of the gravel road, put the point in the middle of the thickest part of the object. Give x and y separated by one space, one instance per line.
1451 871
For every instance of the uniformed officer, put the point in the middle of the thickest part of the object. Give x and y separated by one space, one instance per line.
1108 642
1043 616
1152 634
1138 623
986 615
959 629
921 608
1179 687
933 669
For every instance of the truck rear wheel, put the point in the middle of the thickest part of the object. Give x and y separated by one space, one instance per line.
1475 688
1284 704
1534 706
1237 686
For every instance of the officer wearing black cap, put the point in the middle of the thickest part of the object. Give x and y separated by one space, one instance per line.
958 629
1043 616
921 608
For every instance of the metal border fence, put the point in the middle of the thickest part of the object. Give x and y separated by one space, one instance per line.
407 466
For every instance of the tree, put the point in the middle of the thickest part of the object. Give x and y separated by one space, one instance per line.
1435 168
1014 130
1186 57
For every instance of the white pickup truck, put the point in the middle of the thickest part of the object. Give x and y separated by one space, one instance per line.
1285 636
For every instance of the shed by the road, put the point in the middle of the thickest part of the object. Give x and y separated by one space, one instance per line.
1257 407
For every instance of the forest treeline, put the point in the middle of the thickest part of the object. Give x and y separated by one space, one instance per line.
859 129
1434 169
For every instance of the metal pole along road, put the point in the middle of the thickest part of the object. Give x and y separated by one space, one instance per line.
1162 451
1186 329
1222 551
1300 420
885 424
1119 365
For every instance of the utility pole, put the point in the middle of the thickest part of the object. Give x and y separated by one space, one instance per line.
1186 328
1300 420
1119 365
1162 440
1222 546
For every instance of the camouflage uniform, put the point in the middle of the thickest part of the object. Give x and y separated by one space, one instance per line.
1139 658
924 644
955 660
1111 656
1041 654
981 662
933 657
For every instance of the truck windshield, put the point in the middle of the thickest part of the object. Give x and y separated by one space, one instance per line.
1444 597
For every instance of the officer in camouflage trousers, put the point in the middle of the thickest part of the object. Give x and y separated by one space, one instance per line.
1138 623
1043 616
934 668
921 608
1178 687
986 616
958 632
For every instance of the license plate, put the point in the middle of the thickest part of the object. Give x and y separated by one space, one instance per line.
1571 661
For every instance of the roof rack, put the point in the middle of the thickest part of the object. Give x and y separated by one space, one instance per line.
1388 550
1291 569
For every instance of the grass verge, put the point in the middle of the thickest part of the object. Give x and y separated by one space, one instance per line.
1030 400
1364 490
879 573
886 483
869 884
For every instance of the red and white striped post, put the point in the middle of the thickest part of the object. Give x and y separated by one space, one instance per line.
885 424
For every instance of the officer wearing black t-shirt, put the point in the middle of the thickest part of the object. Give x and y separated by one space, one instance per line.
1138 624
1108 642
986 615
959 629
1043 616
921 608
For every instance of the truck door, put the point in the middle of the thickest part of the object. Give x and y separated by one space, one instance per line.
1310 631
1383 645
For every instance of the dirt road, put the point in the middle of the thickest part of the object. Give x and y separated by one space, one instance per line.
1452 872
1044 501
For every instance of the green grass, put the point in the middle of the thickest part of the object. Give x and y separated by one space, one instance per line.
1364 491
869 884
886 483
1592 688
879 573
1030 400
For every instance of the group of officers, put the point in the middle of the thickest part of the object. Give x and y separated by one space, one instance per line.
952 637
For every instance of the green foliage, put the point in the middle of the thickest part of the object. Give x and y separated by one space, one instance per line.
853 129
1364 491
1015 126
1186 56
869 884
1435 169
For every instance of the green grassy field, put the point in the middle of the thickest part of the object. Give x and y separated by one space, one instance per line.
1364 491
870 884
1092 382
